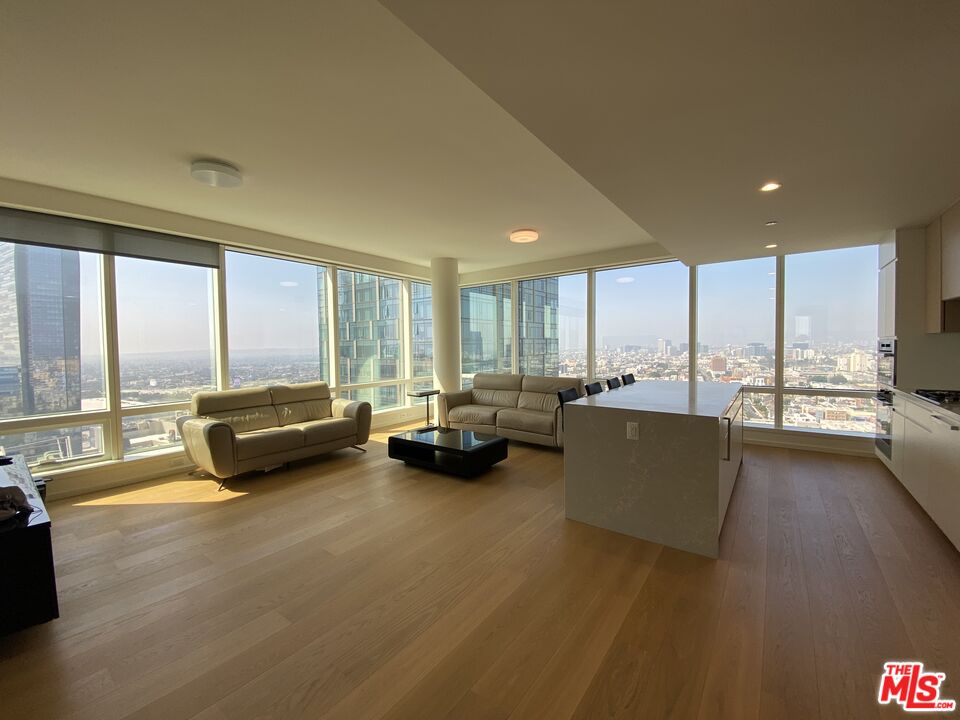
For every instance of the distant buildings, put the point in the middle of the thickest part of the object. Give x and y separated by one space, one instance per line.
369 307
40 345
39 329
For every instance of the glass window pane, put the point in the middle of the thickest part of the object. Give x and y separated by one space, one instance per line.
421 310
49 448
856 415
736 322
369 308
380 398
164 331
553 325
486 331
759 409
154 431
276 320
51 331
830 314
642 322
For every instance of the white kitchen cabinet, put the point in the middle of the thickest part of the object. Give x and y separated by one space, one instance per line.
916 445
944 476
950 253
887 309
926 459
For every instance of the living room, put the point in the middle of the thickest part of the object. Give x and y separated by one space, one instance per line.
409 359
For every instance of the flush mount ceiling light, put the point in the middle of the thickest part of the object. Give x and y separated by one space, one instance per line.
771 246
524 236
771 223
215 173
770 186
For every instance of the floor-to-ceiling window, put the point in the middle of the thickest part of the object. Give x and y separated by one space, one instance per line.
369 308
166 344
736 319
421 335
277 320
830 335
486 330
51 353
552 325
642 321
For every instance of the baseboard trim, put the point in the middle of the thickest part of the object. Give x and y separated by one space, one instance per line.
816 442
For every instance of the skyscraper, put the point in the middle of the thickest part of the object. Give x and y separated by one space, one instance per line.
40 328
540 326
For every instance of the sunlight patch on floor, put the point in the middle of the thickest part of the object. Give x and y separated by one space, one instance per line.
176 491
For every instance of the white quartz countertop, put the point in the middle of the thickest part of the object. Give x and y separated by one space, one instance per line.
662 396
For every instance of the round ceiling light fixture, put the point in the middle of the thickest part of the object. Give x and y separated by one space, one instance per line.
771 246
770 223
770 186
215 173
524 236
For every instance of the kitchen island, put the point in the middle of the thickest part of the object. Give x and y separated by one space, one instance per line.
656 460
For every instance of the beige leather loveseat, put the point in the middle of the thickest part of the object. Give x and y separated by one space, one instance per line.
235 431
521 407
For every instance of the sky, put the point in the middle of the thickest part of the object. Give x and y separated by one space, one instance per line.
273 303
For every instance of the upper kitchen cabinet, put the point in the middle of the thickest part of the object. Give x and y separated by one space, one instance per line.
950 253
942 272
887 287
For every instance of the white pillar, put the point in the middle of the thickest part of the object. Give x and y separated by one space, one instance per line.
445 294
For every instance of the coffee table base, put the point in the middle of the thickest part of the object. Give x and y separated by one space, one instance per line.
431 457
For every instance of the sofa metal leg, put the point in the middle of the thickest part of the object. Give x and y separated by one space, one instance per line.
359 448
223 484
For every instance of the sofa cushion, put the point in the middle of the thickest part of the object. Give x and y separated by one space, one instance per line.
301 402
300 392
316 432
474 414
496 398
532 421
208 402
541 402
248 419
298 412
497 381
258 443
550 385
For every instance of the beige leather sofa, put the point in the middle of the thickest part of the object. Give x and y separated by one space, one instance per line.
235 431
521 407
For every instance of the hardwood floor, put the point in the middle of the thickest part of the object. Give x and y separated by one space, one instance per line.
355 587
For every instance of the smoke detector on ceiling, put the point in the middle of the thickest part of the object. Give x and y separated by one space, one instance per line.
215 173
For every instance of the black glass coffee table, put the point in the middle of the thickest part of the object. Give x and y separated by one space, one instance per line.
457 452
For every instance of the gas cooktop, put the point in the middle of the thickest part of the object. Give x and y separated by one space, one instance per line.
940 397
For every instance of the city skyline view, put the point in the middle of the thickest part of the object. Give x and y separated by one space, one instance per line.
277 324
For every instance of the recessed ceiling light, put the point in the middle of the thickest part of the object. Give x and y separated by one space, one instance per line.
625 279
770 223
289 283
770 246
770 186
524 236
215 173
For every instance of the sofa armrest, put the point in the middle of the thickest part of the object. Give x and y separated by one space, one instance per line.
361 412
211 444
447 401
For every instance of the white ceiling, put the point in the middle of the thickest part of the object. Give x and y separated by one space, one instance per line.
349 129
678 111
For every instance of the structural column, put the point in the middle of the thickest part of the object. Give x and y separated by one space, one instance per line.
445 294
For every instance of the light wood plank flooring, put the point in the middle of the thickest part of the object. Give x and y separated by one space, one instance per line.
355 587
